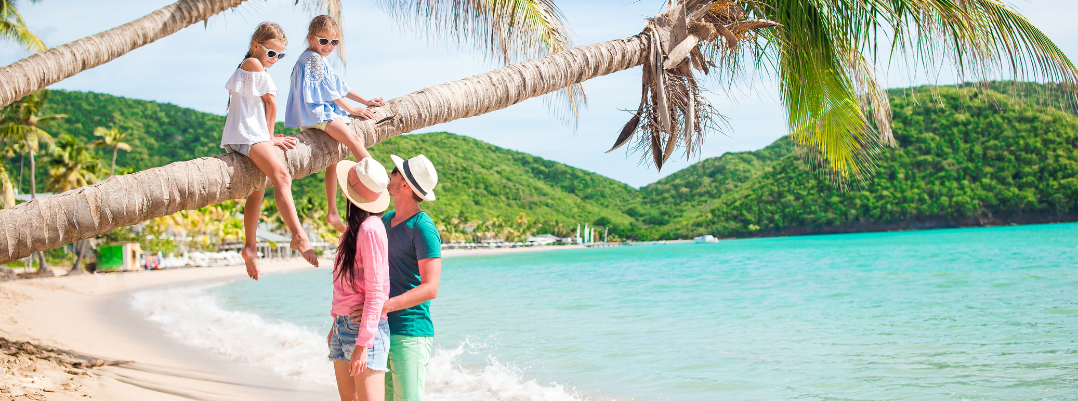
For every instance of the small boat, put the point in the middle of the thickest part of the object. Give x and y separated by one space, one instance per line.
703 239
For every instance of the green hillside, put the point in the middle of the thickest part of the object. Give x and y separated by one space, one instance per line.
479 182
965 157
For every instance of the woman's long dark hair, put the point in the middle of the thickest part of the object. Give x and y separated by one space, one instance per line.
344 269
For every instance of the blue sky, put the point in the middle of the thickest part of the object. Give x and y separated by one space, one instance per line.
189 69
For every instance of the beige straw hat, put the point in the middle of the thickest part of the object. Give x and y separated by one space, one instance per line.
364 184
419 173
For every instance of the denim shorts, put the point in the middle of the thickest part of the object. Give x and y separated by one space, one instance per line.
343 342
241 148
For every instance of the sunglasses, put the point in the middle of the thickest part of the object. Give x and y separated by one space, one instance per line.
272 53
324 41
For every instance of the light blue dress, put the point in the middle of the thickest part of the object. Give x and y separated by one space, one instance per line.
314 88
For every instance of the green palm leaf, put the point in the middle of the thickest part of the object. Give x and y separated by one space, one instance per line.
824 56
13 27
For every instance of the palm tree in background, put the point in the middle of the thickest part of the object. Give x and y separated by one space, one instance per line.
21 121
72 165
7 191
823 55
111 138
13 27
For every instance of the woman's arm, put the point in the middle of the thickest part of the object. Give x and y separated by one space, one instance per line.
373 258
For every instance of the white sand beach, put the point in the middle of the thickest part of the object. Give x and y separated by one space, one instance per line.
88 317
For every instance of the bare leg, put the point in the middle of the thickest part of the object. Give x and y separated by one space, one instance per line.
251 211
370 384
340 131
333 217
345 385
264 154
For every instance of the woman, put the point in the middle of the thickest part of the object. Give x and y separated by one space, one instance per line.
360 351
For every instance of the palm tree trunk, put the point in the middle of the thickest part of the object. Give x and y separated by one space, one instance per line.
128 199
113 168
43 269
34 73
22 161
33 175
76 267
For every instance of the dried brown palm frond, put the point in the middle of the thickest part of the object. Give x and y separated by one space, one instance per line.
673 112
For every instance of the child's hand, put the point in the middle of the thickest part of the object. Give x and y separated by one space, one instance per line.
284 142
359 361
376 102
364 114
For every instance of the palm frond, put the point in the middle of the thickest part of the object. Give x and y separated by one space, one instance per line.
13 27
825 54
507 31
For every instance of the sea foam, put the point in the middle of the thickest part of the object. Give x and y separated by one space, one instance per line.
196 318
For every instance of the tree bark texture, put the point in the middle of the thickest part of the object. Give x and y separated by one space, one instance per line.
126 200
40 70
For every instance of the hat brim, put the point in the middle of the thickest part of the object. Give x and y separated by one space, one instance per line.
399 163
376 206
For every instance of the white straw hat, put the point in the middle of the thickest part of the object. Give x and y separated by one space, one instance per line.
419 173
364 184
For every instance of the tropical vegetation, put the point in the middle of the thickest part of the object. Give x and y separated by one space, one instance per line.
822 53
966 157
970 155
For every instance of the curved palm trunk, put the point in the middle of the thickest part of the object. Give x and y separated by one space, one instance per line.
112 170
126 200
34 73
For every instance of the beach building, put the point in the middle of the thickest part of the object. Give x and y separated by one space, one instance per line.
270 245
542 239
119 257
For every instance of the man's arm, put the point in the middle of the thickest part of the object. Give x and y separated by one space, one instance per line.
430 273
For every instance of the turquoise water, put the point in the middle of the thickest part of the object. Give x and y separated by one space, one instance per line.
983 314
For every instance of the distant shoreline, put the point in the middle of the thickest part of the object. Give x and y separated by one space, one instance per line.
449 253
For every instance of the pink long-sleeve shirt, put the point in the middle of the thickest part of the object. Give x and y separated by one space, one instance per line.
372 280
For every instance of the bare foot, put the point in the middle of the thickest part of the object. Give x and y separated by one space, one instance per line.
337 223
250 258
303 246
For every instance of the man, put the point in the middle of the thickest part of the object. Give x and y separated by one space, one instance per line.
415 266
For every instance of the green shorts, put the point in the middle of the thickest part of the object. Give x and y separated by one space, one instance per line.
408 357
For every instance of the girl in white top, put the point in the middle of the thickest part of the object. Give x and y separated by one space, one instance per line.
252 111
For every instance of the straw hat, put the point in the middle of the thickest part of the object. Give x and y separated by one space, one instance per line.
419 173
364 184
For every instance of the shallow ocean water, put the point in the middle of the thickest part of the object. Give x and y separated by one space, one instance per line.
978 314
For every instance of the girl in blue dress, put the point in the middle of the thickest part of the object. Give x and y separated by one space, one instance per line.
316 99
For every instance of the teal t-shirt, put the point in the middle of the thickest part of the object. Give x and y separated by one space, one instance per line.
410 241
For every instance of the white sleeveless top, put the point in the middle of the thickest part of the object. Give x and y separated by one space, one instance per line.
245 123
